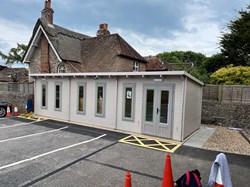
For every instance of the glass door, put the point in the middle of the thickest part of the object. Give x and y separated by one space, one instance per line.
157 110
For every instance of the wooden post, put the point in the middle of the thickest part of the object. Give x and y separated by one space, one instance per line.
220 92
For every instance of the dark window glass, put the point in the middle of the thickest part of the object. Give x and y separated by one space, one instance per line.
128 102
44 95
164 107
150 105
81 99
57 96
99 100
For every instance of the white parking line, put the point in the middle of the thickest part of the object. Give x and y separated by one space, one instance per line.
36 134
17 125
50 152
4 118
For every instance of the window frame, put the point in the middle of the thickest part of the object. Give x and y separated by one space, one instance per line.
125 86
44 83
60 96
84 84
136 66
103 85
59 68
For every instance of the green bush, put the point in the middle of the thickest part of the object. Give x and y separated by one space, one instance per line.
231 75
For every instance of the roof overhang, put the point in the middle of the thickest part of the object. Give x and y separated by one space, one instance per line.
34 43
159 74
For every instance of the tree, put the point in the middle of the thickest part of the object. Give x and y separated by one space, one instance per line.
235 45
231 75
215 62
184 56
181 57
15 54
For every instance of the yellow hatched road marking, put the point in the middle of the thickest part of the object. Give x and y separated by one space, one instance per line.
151 143
31 117
142 144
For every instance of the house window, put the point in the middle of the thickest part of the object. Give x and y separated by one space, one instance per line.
44 95
81 99
136 66
100 99
58 92
128 101
61 68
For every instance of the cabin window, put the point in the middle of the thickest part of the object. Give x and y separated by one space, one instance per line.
136 66
44 95
128 102
81 98
100 99
58 96
61 68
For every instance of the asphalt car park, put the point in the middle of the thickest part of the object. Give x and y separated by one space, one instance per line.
53 153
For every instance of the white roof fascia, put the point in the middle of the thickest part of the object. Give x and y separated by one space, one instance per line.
121 74
31 45
57 55
40 29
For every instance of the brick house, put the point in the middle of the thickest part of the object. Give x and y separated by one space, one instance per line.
55 49
103 81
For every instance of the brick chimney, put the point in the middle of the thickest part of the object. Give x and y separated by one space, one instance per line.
103 30
47 12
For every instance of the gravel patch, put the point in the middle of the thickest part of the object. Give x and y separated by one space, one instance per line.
226 140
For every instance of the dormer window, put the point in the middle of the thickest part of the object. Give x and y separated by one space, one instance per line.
61 68
136 66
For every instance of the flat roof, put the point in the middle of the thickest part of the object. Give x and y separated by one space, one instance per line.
119 74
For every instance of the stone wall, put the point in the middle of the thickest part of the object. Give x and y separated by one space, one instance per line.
20 99
226 114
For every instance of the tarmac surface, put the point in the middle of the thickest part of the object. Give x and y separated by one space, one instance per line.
53 153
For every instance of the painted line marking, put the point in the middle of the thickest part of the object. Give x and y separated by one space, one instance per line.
17 125
30 135
5 118
166 146
31 117
50 152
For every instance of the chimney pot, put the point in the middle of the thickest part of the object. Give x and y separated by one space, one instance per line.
104 26
103 30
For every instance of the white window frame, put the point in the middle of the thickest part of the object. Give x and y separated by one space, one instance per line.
133 88
103 85
136 66
61 68
84 85
60 96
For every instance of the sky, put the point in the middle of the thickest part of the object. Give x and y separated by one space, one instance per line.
149 26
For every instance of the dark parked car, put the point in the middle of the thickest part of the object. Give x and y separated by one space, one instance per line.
3 108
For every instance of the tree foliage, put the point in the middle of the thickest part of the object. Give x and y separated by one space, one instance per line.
181 57
184 56
235 45
231 75
14 55
215 62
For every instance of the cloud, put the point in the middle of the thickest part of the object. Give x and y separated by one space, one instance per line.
12 33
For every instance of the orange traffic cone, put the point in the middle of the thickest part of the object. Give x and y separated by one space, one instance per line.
8 114
168 176
218 181
15 111
128 180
